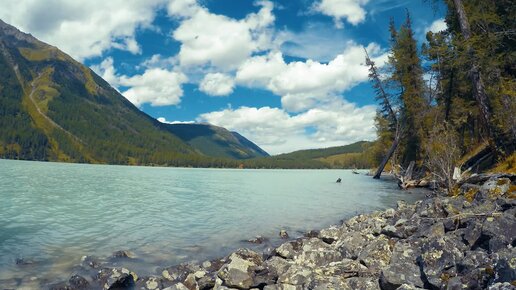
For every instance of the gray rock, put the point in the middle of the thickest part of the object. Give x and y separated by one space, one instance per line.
289 250
496 187
473 260
497 232
316 253
149 283
436 257
344 269
180 272
330 234
241 268
377 253
408 287
283 234
296 275
402 268
277 265
351 244
505 265
359 283
78 282
282 287
116 278
502 286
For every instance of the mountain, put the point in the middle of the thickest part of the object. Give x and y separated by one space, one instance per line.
347 156
357 147
216 141
53 108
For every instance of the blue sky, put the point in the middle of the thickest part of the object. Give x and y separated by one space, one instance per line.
286 74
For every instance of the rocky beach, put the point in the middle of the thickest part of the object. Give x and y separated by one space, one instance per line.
462 242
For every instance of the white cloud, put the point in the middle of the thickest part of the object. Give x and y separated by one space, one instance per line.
106 70
82 29
217 84
165 121
217 40
157 86
351 10
316 41
437 25
276 131
304 85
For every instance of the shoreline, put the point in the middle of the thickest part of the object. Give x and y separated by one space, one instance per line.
436 243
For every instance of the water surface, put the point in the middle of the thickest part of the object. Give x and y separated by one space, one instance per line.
54 213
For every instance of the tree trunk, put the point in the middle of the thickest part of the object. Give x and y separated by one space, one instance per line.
474 72
386 159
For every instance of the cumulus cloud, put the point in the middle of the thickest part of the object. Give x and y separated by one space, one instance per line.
217 84
82 29
157 86
165 121
303 85
437 25
278 132
217 40
350 10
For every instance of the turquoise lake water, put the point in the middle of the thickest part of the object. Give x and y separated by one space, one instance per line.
55 213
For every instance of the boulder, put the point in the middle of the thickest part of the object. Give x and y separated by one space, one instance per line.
495 187
277 265
289 250
330 234
241 268
282 287
360 283
402 268
78 282
344 269
316 253
283 234
505 265
502 286
296 275
149 283
408 287
116 278
180 272
438 258
497 232
377 253
352 244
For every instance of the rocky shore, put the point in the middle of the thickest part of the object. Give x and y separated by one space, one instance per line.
441 242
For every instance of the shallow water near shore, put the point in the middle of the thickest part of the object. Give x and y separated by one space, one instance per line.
52 214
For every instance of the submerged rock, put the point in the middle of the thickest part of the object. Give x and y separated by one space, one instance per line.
78 282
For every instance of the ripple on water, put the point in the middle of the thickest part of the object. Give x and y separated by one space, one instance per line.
55 213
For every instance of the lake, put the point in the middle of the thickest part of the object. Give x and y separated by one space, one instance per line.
52 214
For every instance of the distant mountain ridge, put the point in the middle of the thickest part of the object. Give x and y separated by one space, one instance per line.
54 108
216 141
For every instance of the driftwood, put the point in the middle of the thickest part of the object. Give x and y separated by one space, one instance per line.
406 180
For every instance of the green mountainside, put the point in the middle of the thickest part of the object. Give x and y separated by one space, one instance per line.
216 141
53 108
348 156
